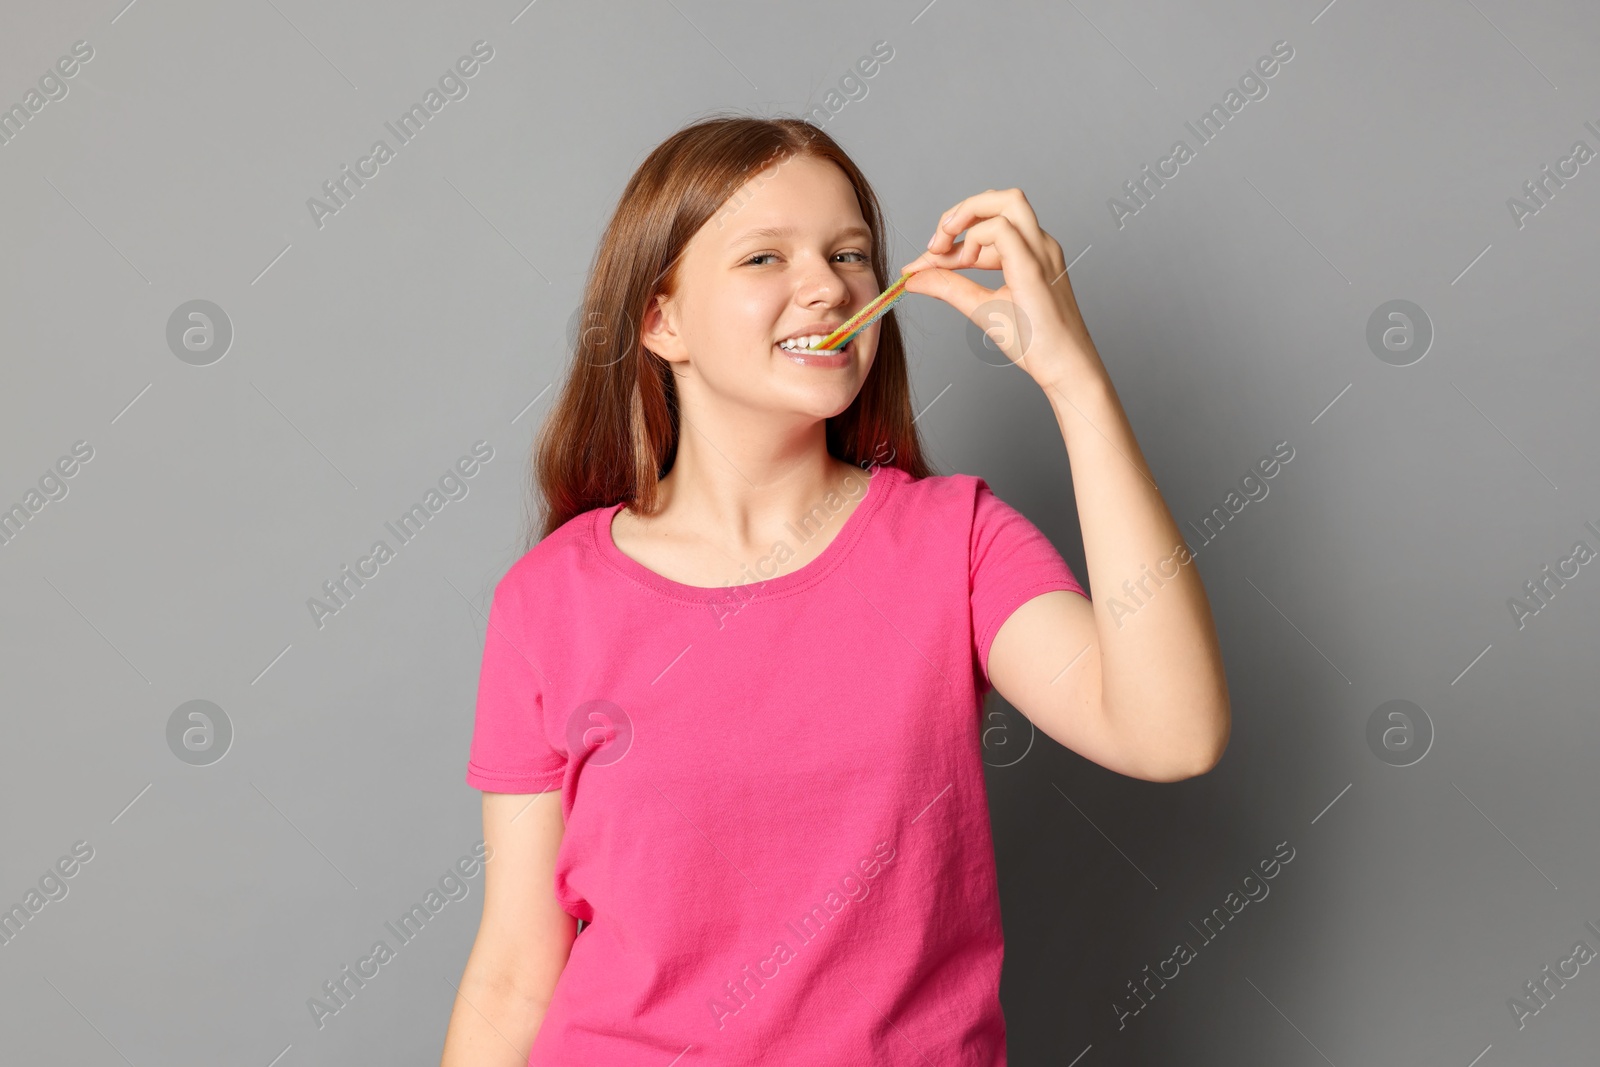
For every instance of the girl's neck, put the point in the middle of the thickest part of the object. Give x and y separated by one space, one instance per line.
714 518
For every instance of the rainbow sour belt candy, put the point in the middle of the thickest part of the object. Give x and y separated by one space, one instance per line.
865 317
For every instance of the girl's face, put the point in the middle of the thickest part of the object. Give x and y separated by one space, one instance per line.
788 254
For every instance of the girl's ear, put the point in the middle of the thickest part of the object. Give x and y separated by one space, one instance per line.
658 332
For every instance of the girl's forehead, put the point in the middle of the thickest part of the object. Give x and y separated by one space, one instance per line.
791 185
830 226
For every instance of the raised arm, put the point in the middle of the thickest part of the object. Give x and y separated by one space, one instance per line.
1142 692
1133 681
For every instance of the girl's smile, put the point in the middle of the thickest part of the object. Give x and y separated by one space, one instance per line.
811 358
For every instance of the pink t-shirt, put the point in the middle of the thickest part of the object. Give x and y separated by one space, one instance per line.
777 830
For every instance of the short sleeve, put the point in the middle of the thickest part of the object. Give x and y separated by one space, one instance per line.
1011 561
510 751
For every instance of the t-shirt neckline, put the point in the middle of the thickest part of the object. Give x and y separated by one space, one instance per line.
879 485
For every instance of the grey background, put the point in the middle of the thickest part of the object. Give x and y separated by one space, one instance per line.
430 313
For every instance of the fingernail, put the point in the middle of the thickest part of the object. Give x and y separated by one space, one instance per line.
932 239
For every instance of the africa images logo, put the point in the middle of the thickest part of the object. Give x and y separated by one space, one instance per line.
1255 889
738 992
731 599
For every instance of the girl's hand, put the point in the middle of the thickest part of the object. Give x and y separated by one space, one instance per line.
1032 318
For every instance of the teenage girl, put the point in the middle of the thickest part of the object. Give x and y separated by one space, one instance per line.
728 715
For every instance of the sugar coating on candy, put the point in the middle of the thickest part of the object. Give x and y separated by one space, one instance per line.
874 310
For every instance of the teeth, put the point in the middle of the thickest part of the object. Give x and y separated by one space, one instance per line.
809 342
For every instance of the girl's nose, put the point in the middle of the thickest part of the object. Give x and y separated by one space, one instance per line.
823 285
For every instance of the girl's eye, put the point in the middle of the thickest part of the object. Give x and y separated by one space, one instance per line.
861 256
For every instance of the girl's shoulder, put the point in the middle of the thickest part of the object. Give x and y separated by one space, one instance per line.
962 504
937 495
556 552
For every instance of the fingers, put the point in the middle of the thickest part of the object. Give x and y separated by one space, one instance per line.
922 262
960 292
970 253
1011 204
992 244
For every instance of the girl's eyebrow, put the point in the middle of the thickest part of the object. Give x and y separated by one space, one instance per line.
789 231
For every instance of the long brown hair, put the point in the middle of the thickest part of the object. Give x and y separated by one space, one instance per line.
612 433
